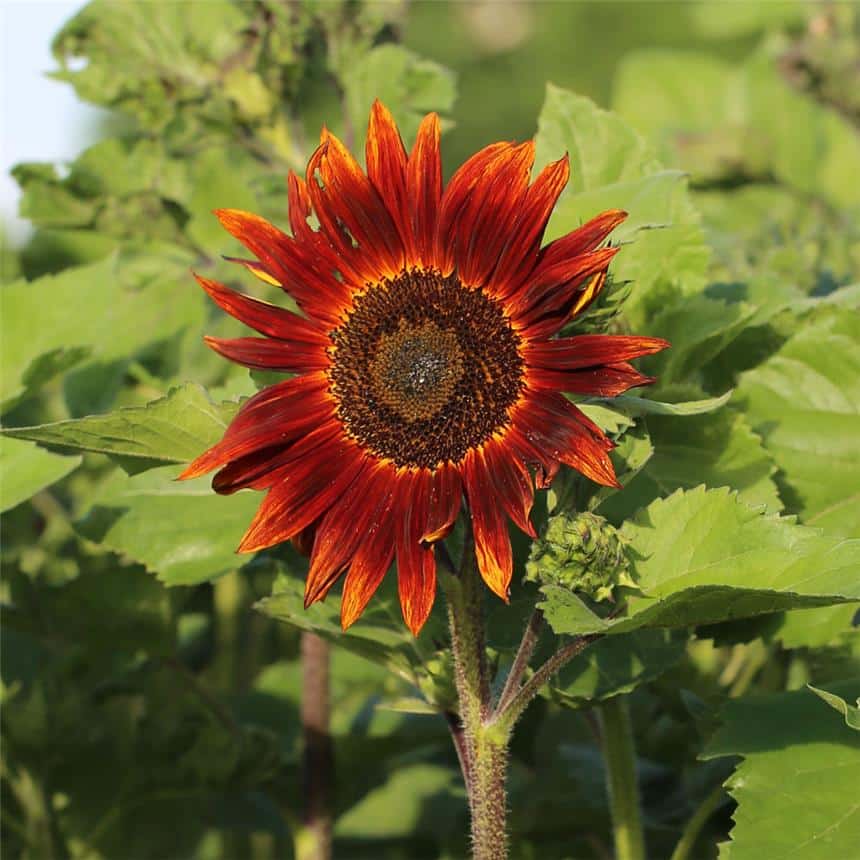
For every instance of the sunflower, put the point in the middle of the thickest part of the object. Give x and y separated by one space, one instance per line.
426 367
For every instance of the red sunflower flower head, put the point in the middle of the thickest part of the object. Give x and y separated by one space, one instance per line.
425 359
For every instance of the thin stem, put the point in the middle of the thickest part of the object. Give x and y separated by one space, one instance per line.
521 661
518 703
314 841
697 821
620 760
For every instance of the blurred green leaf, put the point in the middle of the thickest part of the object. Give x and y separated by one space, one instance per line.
415 800
798 774
809 145
602 148
613 167
179 530
718 450
692 110
107 310
805 402
25 469
815 628
148 61
689 573
699 329
380 635
174 429
616 665
408 85
717 19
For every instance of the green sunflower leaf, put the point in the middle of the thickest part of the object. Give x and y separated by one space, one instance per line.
173 429
106 311
805 402
718 449
703 556
797 778
179 530
25 469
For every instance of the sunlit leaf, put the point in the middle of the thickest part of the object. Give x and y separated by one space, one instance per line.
690 573
797 777
173 429
25 469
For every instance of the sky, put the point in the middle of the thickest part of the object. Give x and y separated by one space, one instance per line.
40 119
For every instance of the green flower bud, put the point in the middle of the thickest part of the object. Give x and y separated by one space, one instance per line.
582 552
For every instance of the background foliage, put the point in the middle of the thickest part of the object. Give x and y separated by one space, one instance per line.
150 692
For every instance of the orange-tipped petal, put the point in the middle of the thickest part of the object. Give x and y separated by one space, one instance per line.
386 162
424 188
416 562
446 493
265 318
492 541
522 246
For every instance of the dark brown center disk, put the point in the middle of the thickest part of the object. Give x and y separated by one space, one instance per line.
425 369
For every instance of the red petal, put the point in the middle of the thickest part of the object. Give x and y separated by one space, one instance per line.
579 241
512 482
546 466
553 291
386 168
263 354
273 416
492 541
485 223
371 561
345 526
557 429
347 199
317 292
263 467
309 488
521 252
416 562
610 380
446 492
589 350
263 317
456 198
424 187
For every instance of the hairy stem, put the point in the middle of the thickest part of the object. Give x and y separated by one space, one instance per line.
620 760
481 745
521 662
517 703
314 841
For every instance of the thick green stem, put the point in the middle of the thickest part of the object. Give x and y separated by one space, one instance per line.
488 798
483 749
619 756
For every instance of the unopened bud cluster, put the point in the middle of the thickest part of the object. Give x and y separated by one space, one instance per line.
581 552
